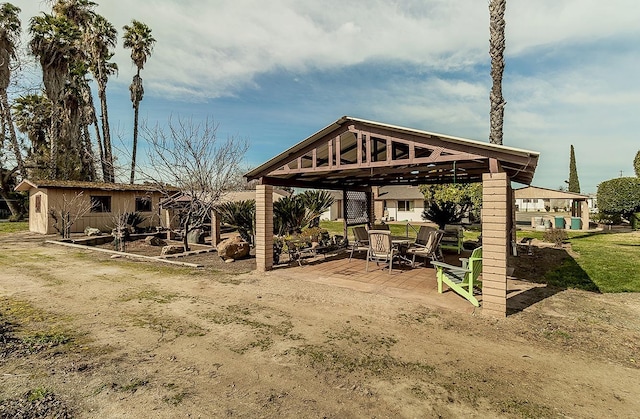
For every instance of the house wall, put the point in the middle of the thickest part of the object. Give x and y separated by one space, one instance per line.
121 202
392 211
334 212
531 204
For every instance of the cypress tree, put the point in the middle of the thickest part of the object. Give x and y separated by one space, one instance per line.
636 164
574 183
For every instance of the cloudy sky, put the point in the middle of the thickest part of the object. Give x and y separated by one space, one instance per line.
277 71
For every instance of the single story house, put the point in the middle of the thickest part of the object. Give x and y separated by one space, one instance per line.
100 203
535 198
391 203
398 203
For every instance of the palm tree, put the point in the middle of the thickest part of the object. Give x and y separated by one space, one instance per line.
138 38
33 118
101 38
54 40
9 36
496 51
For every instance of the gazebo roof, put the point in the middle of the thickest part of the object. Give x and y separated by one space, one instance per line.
354 153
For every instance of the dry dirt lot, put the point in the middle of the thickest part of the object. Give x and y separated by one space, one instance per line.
83 335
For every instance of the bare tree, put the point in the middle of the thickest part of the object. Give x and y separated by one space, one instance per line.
66 211
189 156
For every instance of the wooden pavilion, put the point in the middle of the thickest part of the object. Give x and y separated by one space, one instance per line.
353 155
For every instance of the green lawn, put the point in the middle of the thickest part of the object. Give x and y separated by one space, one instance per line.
612 261
6 227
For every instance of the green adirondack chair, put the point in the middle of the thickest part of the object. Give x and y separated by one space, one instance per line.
461 279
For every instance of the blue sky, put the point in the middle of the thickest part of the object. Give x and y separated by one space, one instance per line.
277 71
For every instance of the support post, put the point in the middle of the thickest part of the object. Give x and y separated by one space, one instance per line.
370 207
215 228
496 236
264 228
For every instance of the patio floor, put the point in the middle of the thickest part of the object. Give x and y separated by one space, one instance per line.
415 284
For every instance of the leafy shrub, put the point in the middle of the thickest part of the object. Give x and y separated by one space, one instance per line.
556 236
619 196
241 215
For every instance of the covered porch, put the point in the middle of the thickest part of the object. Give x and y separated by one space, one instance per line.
354 155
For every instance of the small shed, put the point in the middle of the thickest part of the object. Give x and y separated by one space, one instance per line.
99 201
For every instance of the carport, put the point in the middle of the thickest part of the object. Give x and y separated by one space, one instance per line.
353 155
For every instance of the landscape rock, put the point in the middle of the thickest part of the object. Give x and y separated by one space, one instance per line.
155 241
90 231
171 250
233 248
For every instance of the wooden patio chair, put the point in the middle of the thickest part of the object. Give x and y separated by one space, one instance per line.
427 246
361 241
424 234
453 238
461 279
380 248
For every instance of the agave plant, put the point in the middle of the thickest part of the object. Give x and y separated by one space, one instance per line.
315 202
289 216
241 215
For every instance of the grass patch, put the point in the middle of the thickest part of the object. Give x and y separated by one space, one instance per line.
133 385
610 260
606 262
167 324
263 323
12 227
151 295
38 393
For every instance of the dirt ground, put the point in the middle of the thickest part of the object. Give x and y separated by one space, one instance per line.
84 335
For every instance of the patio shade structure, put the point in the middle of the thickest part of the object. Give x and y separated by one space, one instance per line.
354 155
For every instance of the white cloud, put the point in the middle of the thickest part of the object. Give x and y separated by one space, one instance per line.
561 91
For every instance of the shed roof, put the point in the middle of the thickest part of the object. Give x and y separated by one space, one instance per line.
536 192
357 153
27 184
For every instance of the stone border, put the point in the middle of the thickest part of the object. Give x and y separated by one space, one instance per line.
124 254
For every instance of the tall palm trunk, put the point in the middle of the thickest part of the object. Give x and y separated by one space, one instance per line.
8 121
496 51
136 96
93 120
108 170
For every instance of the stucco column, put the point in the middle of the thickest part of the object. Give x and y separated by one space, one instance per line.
584 214
215 228
264 228
495 242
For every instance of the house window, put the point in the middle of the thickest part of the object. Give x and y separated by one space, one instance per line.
100 203
143 204
405 205
38 204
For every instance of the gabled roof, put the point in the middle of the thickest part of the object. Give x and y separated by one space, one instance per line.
357 153
403 193
27 184
537 192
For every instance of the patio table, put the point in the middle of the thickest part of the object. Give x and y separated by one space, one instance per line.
402 245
